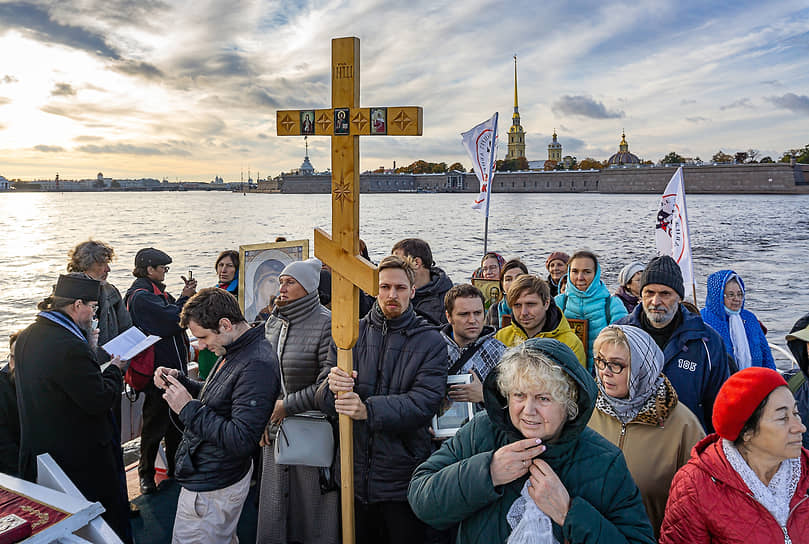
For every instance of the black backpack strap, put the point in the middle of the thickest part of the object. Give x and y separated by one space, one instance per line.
607 309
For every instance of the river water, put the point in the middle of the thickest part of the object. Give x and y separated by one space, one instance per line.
763 238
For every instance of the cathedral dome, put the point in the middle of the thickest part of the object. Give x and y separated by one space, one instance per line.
623 156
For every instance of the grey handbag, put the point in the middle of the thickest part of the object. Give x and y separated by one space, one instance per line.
306 438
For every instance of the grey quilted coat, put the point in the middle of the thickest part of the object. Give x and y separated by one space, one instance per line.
301 334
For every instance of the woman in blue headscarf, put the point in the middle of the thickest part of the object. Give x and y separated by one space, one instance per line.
739 328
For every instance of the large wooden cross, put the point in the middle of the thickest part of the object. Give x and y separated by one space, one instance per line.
345 121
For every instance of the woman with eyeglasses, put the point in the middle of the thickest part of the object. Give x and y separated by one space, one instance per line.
637 410
740 329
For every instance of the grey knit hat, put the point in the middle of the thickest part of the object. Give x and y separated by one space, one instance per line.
663 270
627 272
307 273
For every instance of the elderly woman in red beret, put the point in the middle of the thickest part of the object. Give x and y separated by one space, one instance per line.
748 482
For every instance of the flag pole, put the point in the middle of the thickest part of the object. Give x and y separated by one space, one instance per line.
491 183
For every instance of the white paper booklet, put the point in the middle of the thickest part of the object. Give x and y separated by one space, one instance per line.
129 343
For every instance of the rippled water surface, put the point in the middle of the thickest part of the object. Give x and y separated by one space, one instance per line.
764 238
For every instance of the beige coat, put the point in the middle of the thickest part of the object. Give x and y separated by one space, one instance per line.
655 444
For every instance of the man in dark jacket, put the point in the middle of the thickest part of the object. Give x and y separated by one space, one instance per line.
696 361
432 283
154 311
798 342
65 400
471 345
401 363
223 417
9 416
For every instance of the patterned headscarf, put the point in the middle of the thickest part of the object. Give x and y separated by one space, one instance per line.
645 377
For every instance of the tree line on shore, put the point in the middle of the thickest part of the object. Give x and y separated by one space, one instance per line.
749 156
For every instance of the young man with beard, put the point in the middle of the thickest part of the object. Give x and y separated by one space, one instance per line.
431 282
155 311
535 315
400 378
471 345
222 418
65 401
696 362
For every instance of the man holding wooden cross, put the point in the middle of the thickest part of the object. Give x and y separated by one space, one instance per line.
341 251
401 377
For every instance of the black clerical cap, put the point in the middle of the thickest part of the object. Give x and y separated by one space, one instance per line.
150 256
74 287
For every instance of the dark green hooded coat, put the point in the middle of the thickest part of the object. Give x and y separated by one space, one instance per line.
455 486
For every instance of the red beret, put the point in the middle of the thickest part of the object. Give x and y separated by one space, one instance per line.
739 396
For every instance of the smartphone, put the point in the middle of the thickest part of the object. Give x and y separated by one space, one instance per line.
94 324
165 380
190 275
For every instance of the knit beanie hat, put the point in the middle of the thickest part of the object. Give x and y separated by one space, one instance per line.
307 273
739 397
665 271
628 272
557 256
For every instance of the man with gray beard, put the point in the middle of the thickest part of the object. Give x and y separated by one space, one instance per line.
65 400
696 362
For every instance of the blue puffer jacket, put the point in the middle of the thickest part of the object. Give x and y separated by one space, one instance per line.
696 362
714 315
591 305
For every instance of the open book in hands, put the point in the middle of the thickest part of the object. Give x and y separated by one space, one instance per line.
129 343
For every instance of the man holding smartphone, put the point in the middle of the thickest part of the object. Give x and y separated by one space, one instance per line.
155 311
223 418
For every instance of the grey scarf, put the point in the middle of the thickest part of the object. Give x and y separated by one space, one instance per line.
645 366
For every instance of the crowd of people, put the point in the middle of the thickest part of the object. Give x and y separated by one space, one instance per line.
625 416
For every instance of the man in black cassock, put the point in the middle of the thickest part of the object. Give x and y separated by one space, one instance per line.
65 400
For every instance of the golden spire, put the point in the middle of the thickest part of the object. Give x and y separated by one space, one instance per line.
515 83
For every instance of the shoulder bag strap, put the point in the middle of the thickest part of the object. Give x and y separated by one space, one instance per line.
465 356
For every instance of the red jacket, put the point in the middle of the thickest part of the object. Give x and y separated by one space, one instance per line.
710 503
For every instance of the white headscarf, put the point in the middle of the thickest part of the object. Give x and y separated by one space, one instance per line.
738 336
645 374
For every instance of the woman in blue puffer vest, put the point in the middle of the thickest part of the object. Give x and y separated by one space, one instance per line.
586 297
739 328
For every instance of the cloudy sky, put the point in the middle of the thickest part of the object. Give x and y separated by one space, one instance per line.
189 89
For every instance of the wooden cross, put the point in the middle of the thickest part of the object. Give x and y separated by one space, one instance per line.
345 121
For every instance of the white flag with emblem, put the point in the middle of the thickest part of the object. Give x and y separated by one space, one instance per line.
481 145
671 229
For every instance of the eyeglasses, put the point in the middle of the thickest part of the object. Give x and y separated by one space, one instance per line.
602 363
164 267
93 307
734 296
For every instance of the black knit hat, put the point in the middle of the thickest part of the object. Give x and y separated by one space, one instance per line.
150 256
664 271
76 288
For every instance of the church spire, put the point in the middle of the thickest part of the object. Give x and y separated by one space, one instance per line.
516 134
516 115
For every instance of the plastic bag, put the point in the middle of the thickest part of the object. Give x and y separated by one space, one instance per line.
529 524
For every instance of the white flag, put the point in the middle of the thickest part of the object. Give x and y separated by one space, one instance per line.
671 230
481 145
